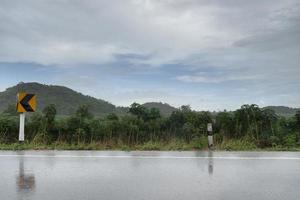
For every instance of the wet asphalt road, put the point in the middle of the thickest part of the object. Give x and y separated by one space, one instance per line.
71 175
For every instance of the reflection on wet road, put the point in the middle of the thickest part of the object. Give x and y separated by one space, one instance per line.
148 175
25 181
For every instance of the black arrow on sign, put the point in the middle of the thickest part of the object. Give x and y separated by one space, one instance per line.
25 102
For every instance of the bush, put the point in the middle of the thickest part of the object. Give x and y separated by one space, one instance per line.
274 140
199 143
150 146
8 129
176 144
238 145
290 140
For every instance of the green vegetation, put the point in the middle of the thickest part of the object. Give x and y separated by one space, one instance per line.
142 128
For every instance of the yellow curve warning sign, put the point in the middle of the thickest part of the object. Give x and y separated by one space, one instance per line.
26 102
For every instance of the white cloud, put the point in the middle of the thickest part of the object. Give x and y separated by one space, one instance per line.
200 78
94 31
209 42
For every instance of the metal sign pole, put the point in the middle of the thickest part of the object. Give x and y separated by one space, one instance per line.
22 127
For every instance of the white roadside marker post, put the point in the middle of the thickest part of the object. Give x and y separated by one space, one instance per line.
210 136
22 127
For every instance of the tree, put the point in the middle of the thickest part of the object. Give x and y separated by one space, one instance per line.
268 119
112 116
247 118
83 112
153 114
138 110
188 131
185 108
50 113
225 124
175 122
298 118
49 116
83 129
35 125
267 123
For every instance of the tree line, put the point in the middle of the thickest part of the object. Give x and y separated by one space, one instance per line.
140 125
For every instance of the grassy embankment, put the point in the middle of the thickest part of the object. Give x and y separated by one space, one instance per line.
174 145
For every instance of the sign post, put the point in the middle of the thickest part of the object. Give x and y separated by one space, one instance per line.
26 103
22 127
210 135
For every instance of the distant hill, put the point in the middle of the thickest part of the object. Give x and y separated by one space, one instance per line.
68 100
283 110
164 108
65 99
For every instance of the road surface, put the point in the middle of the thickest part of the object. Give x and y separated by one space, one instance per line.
71 175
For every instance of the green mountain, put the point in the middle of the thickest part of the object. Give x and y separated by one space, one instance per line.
283 110
68 100
65 99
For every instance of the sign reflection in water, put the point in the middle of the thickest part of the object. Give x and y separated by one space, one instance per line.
25 181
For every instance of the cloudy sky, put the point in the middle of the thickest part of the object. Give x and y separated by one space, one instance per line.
209 54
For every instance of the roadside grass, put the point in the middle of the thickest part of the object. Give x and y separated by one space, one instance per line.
172 145
236 145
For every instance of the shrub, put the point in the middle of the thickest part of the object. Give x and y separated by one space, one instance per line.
274 140
290 140
238 145
199 142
